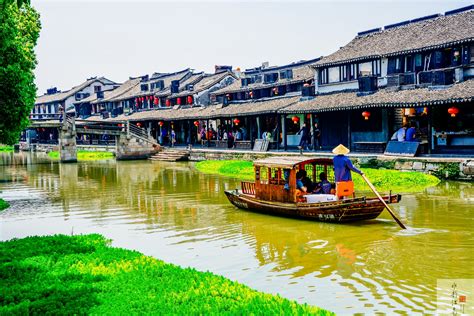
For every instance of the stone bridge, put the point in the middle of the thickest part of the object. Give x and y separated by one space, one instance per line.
132 142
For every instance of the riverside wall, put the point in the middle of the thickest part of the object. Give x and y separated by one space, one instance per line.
442 167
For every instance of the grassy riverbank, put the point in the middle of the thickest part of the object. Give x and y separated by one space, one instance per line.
3 204
5 148
383 180
86 155
84 275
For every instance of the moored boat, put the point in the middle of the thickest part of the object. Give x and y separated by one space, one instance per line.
274 192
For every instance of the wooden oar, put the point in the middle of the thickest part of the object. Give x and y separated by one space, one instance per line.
371 186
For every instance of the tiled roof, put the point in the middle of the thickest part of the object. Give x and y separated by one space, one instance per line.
136 91
60 96
413 37
460 92
204 82
255 107
299 74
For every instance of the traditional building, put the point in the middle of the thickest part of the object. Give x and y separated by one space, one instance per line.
50 105
415 72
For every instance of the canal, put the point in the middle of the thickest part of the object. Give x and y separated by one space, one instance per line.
174 213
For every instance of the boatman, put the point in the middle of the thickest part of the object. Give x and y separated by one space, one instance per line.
342 172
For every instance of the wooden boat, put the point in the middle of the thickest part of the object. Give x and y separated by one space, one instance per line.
273 193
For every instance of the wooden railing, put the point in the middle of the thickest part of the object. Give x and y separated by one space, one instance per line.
248 187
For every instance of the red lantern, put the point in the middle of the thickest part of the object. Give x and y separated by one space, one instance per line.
275 91
196 123
366 115
236 121
142 99
178 101
161 123
168 102
453 111
120 125
251 94
295 119
139 124
156 101
190 99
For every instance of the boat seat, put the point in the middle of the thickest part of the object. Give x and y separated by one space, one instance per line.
248 187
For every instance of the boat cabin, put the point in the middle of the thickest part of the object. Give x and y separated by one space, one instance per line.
275 177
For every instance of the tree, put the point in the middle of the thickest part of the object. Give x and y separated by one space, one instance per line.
19 32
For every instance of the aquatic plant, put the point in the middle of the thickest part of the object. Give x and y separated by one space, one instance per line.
4 148
84 275
383 180
3 204
86 155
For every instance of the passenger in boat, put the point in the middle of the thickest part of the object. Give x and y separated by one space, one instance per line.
323 187
307 181
342 171
299 181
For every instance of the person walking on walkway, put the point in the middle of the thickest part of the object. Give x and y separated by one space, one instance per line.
342 172
304 131
316 137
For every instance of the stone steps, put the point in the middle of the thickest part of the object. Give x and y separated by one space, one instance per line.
170 154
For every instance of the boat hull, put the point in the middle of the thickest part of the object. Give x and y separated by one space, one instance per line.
349 210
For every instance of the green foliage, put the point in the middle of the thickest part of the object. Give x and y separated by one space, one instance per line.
84 275
6 148
239 169
86 155
449 170
18 36
3 204
383 180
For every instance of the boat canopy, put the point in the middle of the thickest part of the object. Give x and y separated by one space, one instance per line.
289 162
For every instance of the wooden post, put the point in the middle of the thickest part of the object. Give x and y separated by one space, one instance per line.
278 131
250 125
285 143
313 119
349 141
259 134
207 135
430 131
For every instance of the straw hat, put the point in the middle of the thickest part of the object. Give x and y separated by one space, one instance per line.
340 150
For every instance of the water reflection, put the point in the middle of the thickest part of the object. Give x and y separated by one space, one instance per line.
177 214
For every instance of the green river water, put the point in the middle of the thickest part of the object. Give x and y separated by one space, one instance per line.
173 212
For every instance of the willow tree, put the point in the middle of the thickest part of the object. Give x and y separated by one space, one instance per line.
19 32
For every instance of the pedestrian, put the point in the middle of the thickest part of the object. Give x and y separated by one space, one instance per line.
316 137
410 133
304 131
400 134
173 137
342 171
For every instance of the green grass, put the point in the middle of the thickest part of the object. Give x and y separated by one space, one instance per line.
3 204
85 155
5 148
383 180
84 275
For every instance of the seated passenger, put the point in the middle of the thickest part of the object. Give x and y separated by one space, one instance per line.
323 187
299 182
307 181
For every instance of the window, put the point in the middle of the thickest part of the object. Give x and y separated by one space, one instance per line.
97 89
323 76
283 74
395 65
409 63
376 67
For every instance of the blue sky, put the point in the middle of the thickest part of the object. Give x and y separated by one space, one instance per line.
118 39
